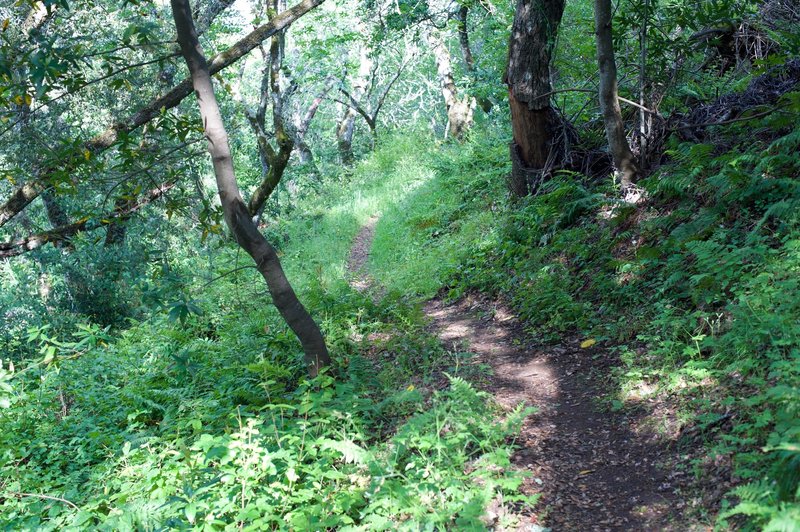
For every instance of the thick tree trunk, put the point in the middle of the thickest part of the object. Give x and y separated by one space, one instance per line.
459 109
609 101
536 125
27 192
237 216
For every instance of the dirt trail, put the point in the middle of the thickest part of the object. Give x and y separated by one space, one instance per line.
359 255
596 469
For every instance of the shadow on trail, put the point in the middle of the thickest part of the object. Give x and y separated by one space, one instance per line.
594 469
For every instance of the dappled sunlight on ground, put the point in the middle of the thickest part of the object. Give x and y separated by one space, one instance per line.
595 469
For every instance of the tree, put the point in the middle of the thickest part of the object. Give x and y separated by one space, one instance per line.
237 215
346 126
462 19
609 100
459 108
369 105
535 123
289 132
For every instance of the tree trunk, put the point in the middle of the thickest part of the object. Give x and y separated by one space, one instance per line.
273 163
536 126
117 229
609 102
459 110
466 51
236 213
303 124
347 125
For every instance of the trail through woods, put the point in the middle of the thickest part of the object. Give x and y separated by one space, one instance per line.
595 469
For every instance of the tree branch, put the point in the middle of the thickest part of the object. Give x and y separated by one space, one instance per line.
27 192
60 234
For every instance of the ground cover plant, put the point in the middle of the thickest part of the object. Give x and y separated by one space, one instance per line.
372 265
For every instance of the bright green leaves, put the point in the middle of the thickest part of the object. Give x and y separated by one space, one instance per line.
181 310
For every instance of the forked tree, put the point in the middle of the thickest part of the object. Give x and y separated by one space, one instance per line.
237 215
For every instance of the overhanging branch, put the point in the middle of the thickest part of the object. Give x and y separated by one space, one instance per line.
65 232
27 192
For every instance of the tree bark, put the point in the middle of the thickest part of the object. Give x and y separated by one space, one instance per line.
27 192
302 124
535 123
459 109
273 163
237 216
463 37
609 101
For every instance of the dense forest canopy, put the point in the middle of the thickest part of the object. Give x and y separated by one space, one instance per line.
408 264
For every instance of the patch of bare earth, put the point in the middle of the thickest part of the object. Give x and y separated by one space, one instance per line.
596 470
359 255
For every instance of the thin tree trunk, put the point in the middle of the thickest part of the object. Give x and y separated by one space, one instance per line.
644 118
303 124
463 37
609 102
462 17
273 163
236 213
117 229
347 125
344 136
535 123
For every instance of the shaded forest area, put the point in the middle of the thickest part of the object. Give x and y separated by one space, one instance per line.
409 265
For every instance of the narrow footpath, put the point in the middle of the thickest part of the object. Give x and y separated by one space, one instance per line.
595 469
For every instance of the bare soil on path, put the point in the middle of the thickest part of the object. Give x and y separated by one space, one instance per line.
596 469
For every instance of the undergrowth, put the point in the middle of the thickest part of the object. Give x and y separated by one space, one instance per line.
199 416
694 290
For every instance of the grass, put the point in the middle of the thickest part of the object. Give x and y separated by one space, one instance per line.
206 421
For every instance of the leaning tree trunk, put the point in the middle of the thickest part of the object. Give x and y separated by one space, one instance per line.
536 125
236 213
609 101
302 124
459 109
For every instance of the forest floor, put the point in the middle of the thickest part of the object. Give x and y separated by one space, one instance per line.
595 468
